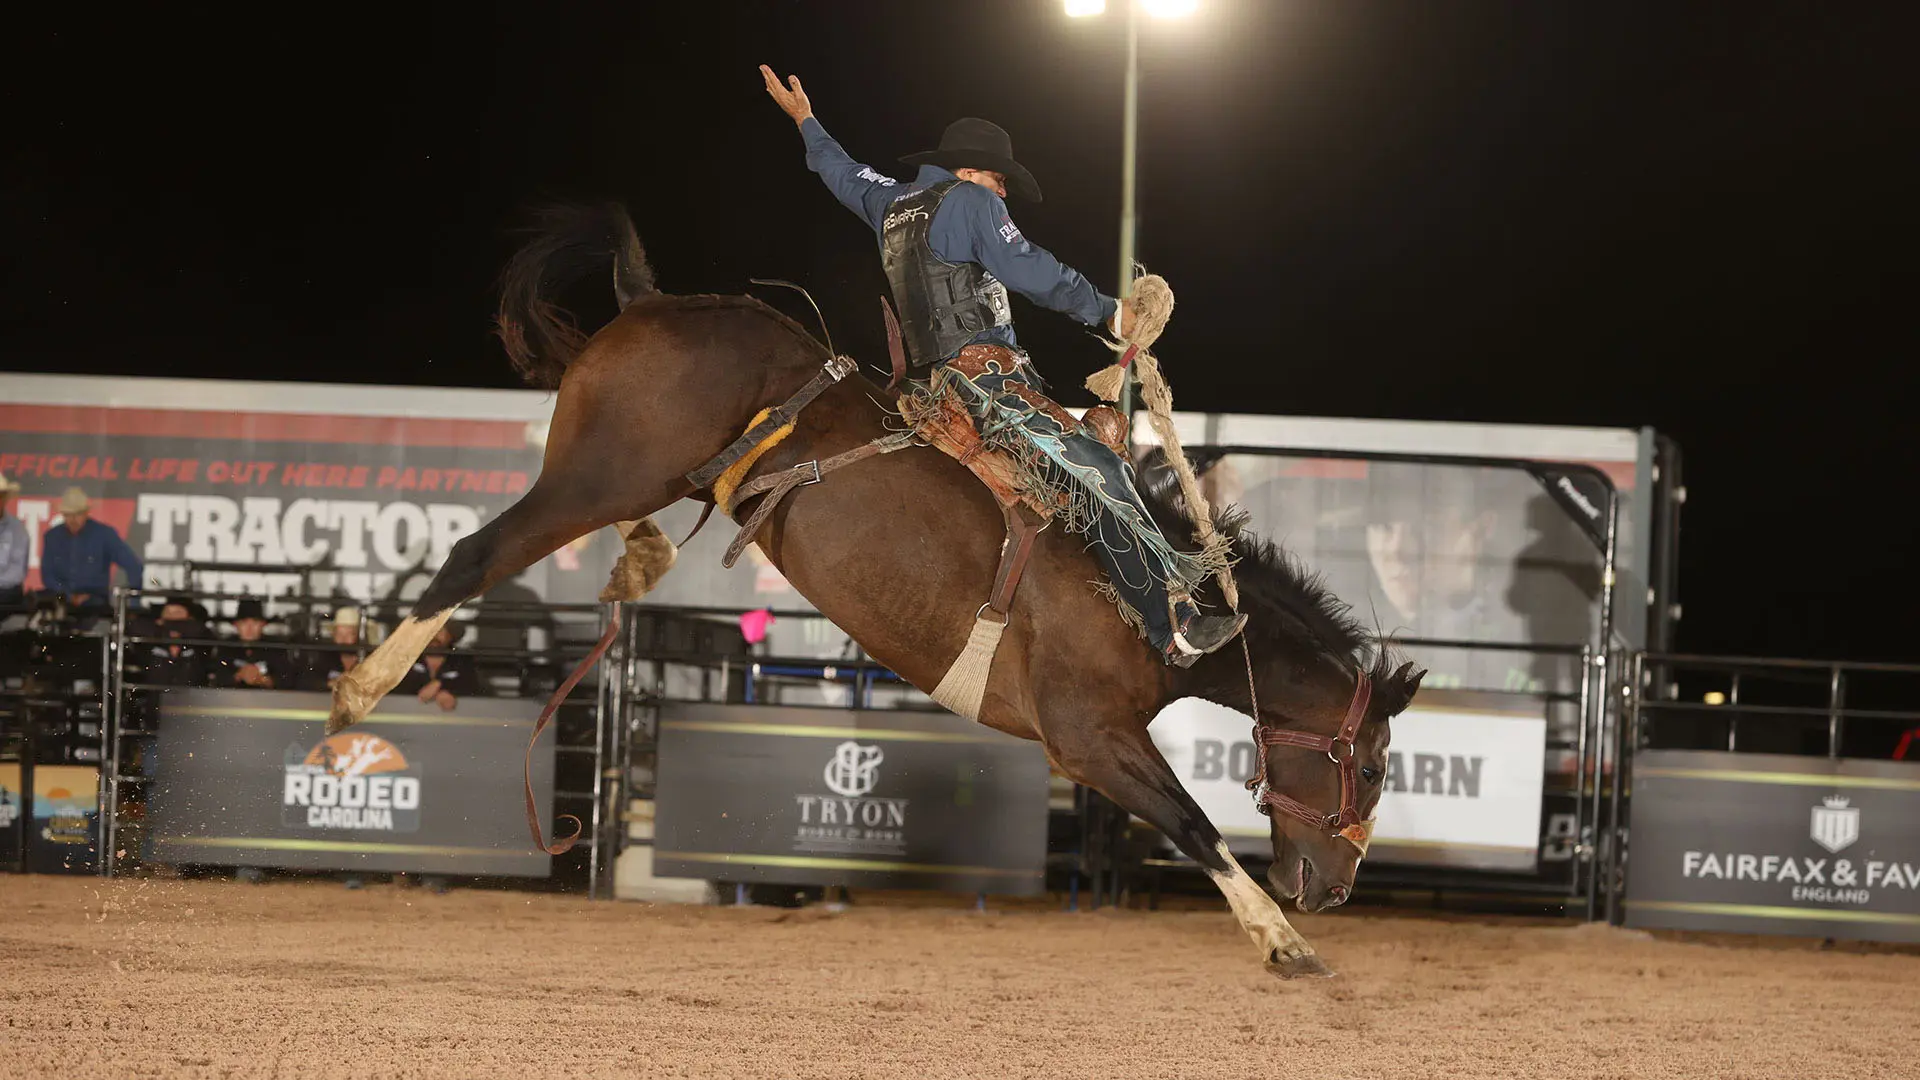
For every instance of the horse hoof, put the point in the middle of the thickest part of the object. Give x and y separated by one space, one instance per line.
1304 966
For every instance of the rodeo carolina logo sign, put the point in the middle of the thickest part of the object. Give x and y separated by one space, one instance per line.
351 781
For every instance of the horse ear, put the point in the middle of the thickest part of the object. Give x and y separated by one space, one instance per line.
1409 679
1402 685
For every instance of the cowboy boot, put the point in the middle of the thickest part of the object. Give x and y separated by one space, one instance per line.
1197 634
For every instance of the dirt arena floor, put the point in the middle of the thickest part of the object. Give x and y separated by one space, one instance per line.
305 980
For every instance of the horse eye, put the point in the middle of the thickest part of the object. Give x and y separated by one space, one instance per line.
1370 774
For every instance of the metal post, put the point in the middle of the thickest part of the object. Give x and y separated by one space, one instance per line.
1733 718
606 700
1586 822
110 732
1129 154
1836 702
1603 683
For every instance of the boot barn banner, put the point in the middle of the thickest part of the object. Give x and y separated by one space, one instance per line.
366 489
1464 784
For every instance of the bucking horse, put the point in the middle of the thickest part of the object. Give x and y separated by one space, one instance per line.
898 549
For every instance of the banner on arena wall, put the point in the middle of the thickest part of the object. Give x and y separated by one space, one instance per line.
1465 775
250 778
1775 844
13 815
372 501
63 836
1449 553
805 796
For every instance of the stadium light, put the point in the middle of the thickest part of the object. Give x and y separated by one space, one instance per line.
1170 9
1130 137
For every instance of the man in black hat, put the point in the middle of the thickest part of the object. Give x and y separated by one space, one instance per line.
951 251
169 662
249 662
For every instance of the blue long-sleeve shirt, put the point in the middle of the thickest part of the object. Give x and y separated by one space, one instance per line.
13 552
83 562
971 226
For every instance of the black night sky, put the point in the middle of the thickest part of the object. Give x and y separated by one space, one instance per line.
1694 216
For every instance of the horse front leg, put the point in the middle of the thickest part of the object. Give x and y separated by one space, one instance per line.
1126 767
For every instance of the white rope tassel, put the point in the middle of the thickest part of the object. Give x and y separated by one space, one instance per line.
964 686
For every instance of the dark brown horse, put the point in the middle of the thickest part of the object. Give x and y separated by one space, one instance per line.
900 551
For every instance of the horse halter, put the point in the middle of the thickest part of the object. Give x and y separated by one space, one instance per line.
1339 748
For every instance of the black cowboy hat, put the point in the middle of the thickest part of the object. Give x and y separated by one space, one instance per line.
195 610
976 144
249 608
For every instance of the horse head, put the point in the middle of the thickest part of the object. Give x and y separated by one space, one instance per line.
1325 690
1323 729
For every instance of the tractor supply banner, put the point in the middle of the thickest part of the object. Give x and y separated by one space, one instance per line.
372 503
249 778
1774 844
1465 773
805 796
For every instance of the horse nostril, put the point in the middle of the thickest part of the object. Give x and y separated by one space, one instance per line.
1338 894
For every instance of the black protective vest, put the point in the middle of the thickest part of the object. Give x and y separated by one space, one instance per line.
942 304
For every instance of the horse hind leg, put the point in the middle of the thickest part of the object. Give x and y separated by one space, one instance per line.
1124 765
524 533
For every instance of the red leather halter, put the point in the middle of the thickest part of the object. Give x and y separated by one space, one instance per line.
1339 748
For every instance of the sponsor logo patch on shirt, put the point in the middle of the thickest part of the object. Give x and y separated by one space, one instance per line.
1009 231
866 173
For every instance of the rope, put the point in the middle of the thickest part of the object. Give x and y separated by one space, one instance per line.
1152 302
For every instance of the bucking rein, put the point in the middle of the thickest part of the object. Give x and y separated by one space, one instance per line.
943 423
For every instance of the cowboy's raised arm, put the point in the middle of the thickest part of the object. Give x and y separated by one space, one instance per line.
1026 267
858 187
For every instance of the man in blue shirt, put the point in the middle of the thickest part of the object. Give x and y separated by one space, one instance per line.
951 251
78 555
13 548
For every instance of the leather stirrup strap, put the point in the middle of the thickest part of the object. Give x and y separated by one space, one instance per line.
776 486
896 348
1014 553
562 845
832 372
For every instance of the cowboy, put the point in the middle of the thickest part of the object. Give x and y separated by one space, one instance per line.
951 251
13 548
251 660
78 555
325 666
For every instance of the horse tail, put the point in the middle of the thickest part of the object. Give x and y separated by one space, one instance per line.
567 244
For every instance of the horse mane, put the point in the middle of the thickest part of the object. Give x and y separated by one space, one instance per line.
1291 606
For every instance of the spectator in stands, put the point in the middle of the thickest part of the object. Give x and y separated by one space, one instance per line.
248 662
442 676
328 666
13 549
78 555
171 662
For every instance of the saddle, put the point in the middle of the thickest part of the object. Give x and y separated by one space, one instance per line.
940 420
